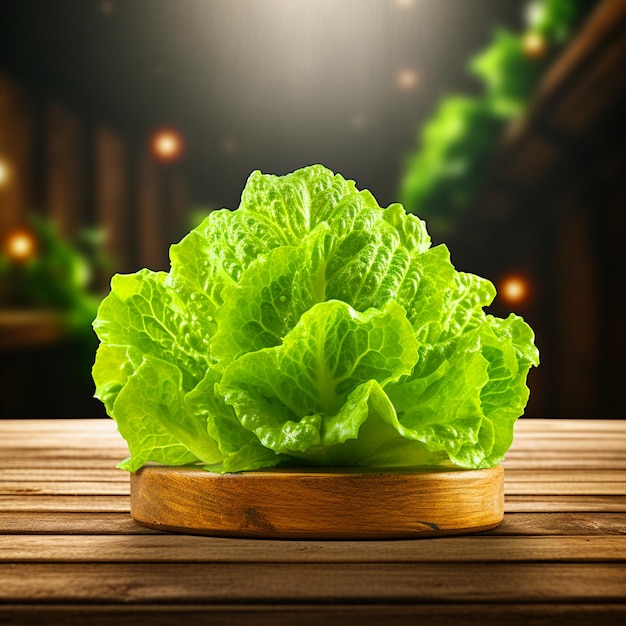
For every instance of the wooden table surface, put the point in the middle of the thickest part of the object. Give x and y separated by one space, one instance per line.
71 554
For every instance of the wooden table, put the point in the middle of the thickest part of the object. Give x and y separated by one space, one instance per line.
71 554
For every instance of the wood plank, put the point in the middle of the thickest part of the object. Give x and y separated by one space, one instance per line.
545 425
561 523
523 425
537 524
589 465
108 473
528 524
59 463
57 425
86 463
364 614
170 548
64 474
69 488
589 445
312 582
512 503
521 474
82 452
548 435
79 504
556 504
51 479
566 455
565 488
72 440
61 522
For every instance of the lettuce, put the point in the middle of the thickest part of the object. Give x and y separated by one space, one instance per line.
310 327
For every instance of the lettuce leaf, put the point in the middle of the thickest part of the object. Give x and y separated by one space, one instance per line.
310 326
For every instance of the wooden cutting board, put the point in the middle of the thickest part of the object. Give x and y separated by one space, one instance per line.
319 503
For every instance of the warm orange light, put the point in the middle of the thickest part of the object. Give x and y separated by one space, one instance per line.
407 79
21 245
534 45
5 173
167 145
514 289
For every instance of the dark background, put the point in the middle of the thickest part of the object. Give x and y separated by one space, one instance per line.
275 85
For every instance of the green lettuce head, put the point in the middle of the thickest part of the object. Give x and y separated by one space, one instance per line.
310 327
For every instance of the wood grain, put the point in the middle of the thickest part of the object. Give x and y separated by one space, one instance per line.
195 549
320 583
516 524
71 553
316 503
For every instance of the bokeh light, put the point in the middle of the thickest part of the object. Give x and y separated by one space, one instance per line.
514 289
5 173
167 145
21 245
407 79
534 45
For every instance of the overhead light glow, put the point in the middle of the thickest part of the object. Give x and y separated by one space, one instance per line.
4 173
21 245
514 289
167 145
407 79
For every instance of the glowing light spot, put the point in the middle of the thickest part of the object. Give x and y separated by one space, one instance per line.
167 145
21 245
514 289
405 4
5 174
534 45
407 79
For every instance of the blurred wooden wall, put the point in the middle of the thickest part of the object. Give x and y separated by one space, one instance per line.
554 210
83 172
16 151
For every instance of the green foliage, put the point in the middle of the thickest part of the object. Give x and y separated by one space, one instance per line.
57 275
310 326
444 175
555 19
508 74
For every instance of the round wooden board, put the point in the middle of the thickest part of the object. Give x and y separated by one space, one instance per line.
319 503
